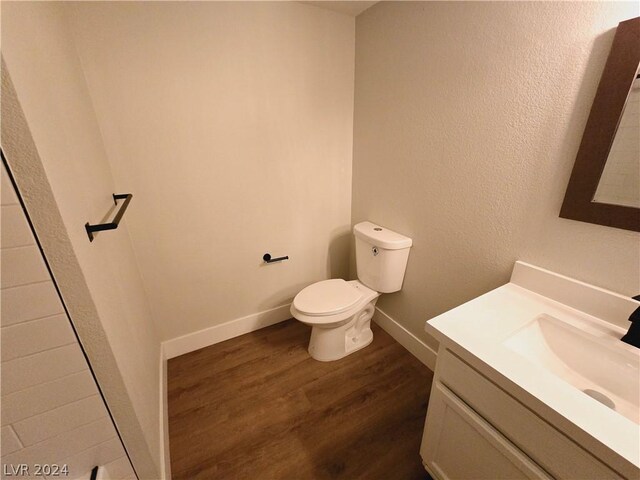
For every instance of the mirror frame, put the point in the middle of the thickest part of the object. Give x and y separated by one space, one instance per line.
618 75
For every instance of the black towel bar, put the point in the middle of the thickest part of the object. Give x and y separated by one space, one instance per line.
116 220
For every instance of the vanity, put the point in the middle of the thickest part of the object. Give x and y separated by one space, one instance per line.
532 381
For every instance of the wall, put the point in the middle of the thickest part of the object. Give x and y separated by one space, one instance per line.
51 408
66 181
468 117
231 123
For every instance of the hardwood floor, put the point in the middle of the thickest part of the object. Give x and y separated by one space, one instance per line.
258 407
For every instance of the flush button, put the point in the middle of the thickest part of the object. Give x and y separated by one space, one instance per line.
377 229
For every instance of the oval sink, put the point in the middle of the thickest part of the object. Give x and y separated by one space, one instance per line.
597 364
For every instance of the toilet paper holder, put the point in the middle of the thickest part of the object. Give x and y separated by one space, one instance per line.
268 259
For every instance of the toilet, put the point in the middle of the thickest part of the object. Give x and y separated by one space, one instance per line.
340 312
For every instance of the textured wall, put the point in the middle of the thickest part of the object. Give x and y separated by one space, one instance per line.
468 117
66 181
231 122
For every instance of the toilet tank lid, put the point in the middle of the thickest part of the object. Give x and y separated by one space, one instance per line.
381 237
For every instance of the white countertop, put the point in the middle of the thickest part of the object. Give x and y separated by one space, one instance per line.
480 327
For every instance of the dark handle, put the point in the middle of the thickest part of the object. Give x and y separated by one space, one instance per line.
267 258
635 316
116 220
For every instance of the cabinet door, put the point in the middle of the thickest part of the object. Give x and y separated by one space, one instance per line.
459 444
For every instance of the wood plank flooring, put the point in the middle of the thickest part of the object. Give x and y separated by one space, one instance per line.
258 407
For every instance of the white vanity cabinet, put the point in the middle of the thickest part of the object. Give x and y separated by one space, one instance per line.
458 443
532 381
476 430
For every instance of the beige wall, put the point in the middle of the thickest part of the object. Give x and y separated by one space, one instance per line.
231 123
39 52
468 117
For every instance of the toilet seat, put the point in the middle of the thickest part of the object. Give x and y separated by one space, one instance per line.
323 318
328 297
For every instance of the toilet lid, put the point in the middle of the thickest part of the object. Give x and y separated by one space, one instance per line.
326 298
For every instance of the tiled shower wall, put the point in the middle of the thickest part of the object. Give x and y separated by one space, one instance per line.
52 412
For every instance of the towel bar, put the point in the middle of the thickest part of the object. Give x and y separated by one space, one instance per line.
116 220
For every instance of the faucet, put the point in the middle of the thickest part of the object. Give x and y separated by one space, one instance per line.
632 337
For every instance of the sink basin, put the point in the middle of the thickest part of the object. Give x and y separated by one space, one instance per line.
589 356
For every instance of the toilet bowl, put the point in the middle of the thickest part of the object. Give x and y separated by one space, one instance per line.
340 312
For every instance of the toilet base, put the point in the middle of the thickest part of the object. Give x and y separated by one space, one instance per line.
334 343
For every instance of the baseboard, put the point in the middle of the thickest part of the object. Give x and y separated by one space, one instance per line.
408 340
219 333
164 419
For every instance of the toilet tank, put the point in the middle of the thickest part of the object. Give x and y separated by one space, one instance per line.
381 257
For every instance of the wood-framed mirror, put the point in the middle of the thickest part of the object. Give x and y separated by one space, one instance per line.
604 187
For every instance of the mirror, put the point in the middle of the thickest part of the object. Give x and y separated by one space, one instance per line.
605 182
620 180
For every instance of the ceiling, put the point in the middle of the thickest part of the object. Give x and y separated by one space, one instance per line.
353 7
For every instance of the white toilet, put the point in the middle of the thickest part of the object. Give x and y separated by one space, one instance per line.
340 312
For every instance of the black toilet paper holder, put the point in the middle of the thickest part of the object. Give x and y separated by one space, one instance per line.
267 258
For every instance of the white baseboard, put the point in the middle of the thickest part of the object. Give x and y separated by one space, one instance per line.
408 340
219 333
